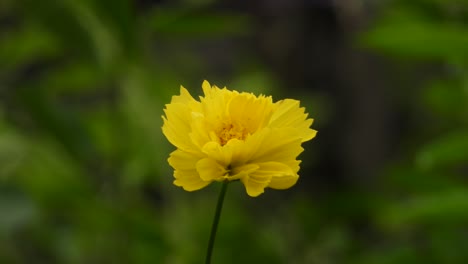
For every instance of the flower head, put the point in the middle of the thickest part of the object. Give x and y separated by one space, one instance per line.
228 135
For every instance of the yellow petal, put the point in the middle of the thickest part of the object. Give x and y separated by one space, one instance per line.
268 174
189 180
289 114
210 170
242 171
213 104
222 154
200 131
185 174
282 176
273 169
176 125
178 120
285 182
249 111
255 185
273 145
181 160
206 86
185 98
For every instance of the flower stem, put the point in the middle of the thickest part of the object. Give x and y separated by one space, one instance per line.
214 227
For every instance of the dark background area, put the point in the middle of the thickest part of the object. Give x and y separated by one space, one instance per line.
83 170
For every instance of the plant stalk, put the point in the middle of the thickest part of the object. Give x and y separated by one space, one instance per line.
214 227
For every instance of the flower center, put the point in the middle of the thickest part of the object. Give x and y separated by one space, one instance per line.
229 131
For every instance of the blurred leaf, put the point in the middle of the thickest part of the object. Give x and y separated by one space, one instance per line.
407 34
74 77
141 106
401 253
459 3
12 151
444 208
58 122
450 149
101 124
105 46
188 22
77 26
27 44
60 20
328 247
447 98
51 177
409 179
15 211
447 245
119 17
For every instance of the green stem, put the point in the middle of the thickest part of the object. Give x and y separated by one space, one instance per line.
214 227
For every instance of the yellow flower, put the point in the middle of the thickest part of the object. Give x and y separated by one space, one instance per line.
229 135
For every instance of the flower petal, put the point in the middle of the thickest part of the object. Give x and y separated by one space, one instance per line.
213 104
185 173
285 182
250 111
289 114
282 176
189 180
240 172
255 185
206 86
186 98
222 154
182 160
200 132
273 145
269 174
178 119
177 125
210 170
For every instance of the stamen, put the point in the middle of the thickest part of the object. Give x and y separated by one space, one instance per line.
229 131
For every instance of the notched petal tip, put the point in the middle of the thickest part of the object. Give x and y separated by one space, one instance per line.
309 135
206 85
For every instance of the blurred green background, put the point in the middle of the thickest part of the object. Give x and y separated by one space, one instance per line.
83 171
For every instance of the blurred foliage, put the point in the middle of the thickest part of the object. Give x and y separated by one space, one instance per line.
426 218
83 172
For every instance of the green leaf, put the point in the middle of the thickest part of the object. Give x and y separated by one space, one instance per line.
448 207
15 211
449 150
51 177
27 44
187 22
408 34
75 77
447 98
77 26
119 17
409 179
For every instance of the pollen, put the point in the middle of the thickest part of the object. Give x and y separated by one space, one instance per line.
230 131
